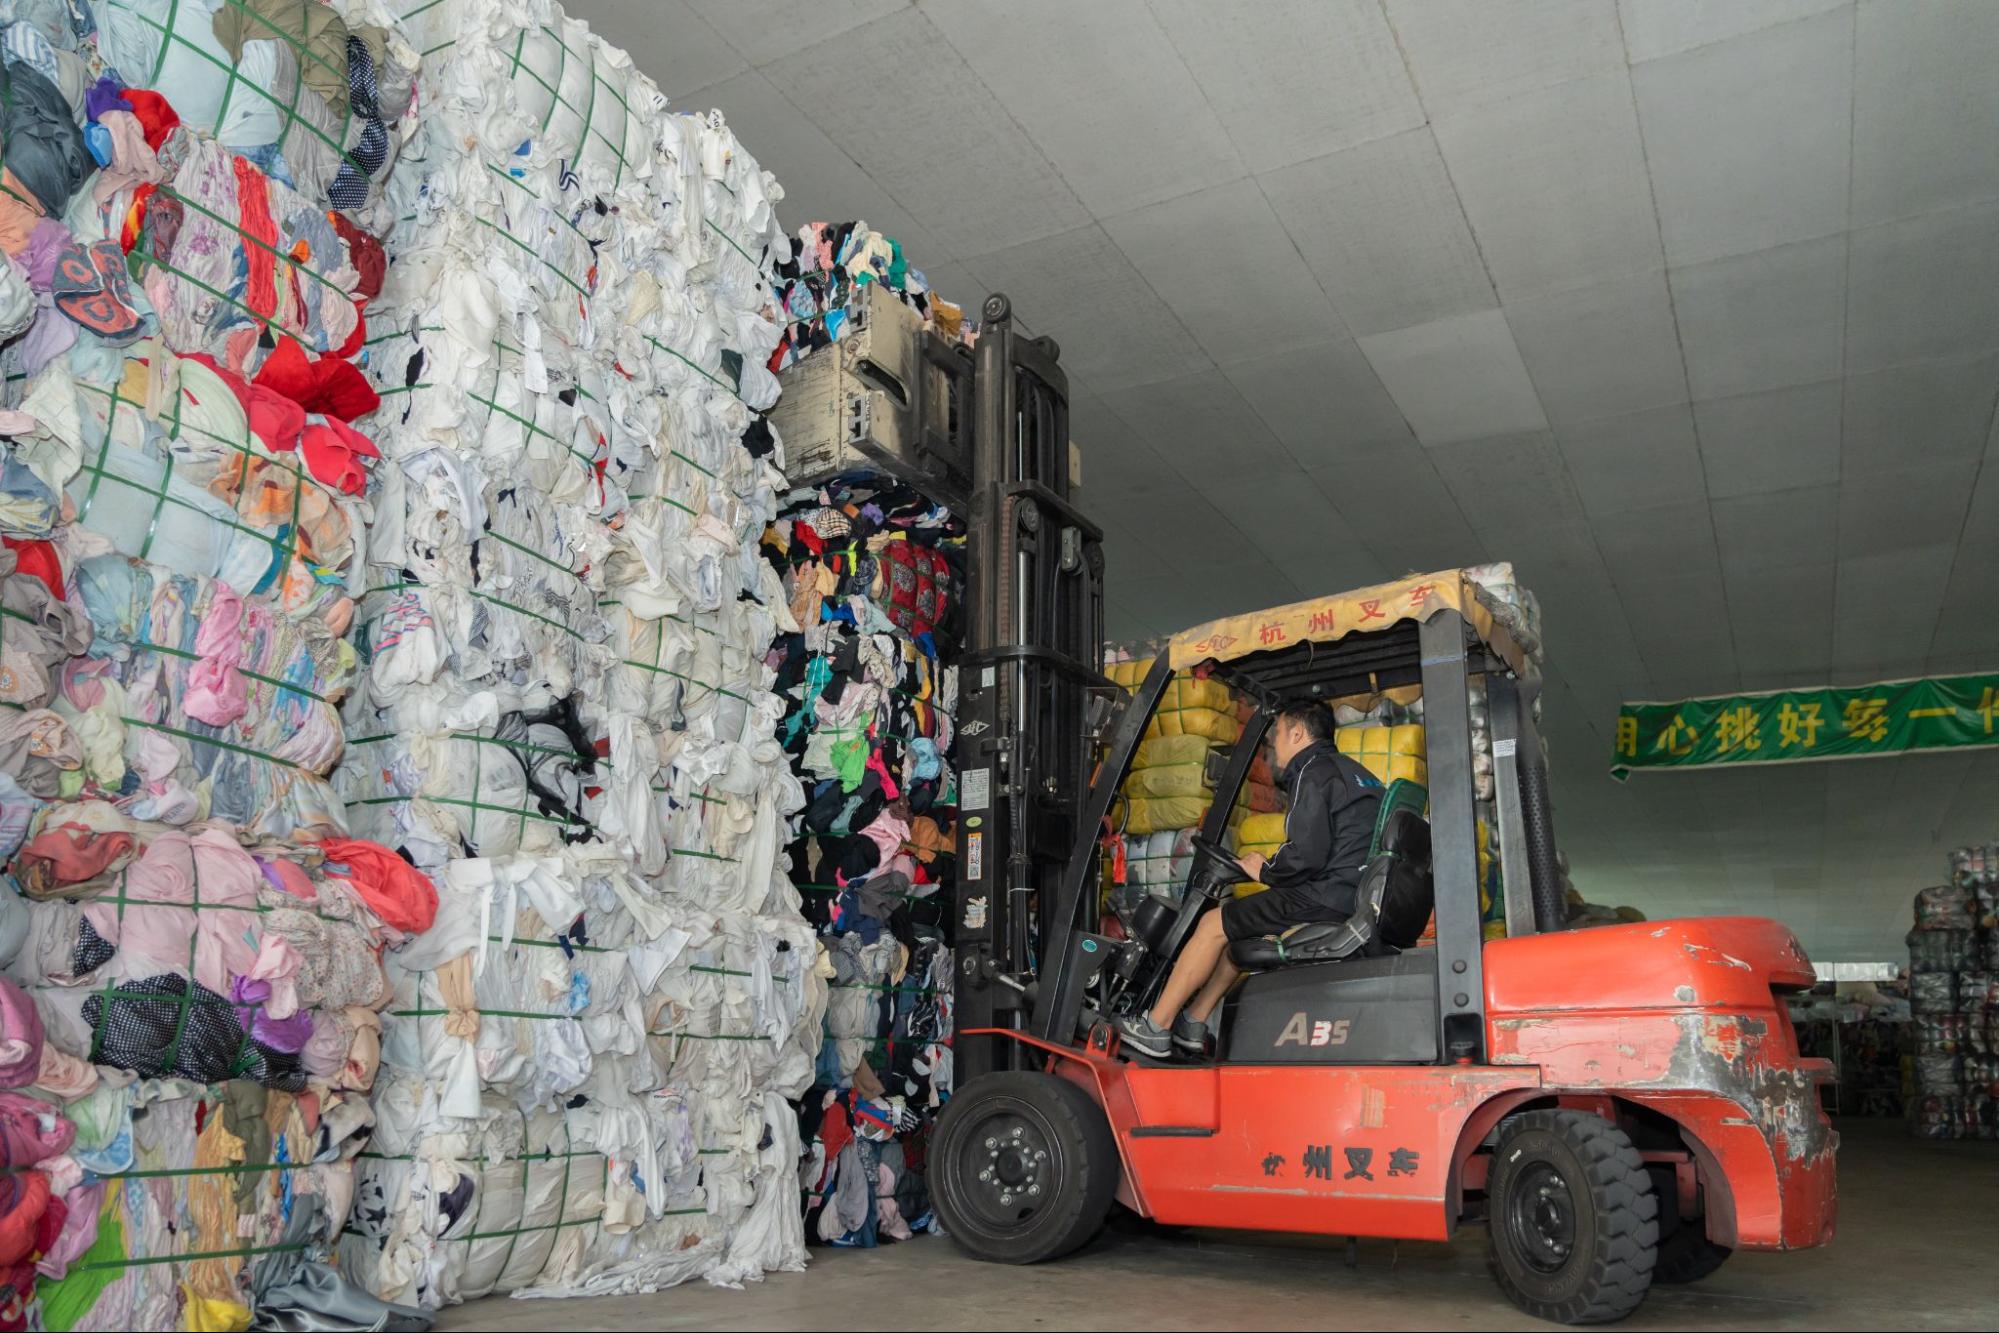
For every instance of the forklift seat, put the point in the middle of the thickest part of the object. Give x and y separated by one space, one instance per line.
1397 894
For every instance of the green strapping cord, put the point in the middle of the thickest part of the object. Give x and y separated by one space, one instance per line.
193 1256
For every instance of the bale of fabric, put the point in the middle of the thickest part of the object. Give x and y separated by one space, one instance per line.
564 716
1189 706
410 679
188 442
1159 863
1170 786
1262 834
1391 753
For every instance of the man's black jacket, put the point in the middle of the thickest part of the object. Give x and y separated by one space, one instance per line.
1330 822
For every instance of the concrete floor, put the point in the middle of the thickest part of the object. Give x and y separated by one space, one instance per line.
1916 1248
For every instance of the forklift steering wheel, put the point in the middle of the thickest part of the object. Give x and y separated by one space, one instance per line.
1219 855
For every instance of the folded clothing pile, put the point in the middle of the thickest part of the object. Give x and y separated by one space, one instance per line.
564 1115
190 465
828 263
234 1183
874 576
1976 871
565 717
1954 1001
198 940
228 701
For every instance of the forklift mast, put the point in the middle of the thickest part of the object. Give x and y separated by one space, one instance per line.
1028 679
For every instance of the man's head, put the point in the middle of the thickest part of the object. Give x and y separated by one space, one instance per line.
1298 725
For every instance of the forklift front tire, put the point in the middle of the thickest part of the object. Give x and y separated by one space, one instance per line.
1024 1168
1572 1219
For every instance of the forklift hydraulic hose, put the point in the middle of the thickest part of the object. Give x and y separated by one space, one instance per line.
1550 911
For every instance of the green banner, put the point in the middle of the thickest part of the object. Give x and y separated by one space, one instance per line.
1790 726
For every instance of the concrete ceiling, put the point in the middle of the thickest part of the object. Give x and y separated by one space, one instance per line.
1689 308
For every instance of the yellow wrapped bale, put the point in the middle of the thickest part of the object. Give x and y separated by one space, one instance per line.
1210 723
1387 752
1258 833
1156 814
1168 785
1163 750
1189 707
1261 833
1129 674
1169 780
1185 691
1151 814
1375 738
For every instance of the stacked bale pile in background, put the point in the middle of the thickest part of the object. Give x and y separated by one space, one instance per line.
874 575
1954 1000
1171 784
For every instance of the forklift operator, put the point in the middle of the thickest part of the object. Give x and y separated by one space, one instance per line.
1315 876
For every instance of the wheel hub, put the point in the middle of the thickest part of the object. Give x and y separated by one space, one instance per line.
1008 1169
1544 1217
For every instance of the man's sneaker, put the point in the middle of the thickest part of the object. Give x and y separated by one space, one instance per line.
1190 1036
1141 1034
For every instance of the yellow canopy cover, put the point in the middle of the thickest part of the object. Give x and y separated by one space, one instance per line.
1325 619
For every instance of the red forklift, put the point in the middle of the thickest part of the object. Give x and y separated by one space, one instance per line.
1619 1105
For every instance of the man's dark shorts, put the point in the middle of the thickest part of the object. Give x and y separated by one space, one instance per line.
1272 912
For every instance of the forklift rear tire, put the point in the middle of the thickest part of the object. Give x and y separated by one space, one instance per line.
1024 1168
1572 1220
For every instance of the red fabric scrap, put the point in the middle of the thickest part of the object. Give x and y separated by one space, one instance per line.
329 386
333 452
70 853
26 1198
357 339
274 418
156 115
37 560
364 252
260 236
395 891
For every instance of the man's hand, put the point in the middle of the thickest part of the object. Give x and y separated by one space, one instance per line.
1254 864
